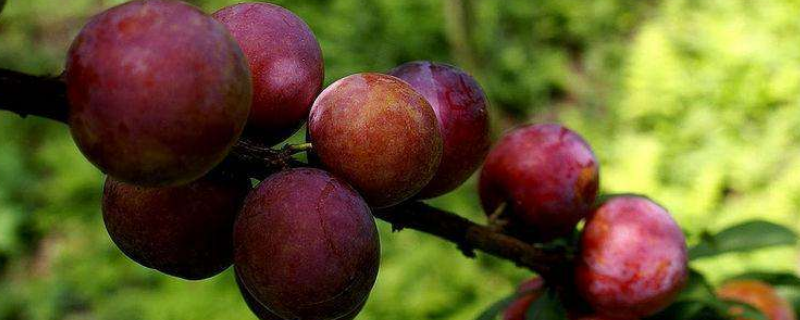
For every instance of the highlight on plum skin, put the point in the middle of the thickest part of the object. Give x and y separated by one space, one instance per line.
461 110
306 246
184 231
285 61
758 294
159 92
548 176
633 260
377 133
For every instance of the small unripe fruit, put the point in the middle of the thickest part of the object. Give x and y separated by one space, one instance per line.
184 231
159 92
378 134
759 295
306 246
530 290
633 259
286 63
460 107
547 174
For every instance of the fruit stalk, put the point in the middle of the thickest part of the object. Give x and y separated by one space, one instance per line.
43 96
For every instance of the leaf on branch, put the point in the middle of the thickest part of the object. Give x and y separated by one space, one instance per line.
698 301
744 237
686 310
696 289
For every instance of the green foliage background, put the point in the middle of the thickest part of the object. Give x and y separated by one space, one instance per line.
693 102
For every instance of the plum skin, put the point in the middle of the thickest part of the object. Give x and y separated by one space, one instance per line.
159 92
460 106
306 246
380 135
547 174
285 61
184 231
633 259
263 313
758 294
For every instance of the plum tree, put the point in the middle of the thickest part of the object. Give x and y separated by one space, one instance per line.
547 174
633 259
460 107
286 63
378 134
263 313
306 246
159 92
529 291
184 231
758 294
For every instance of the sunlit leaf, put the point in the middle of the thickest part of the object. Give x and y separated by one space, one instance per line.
744 237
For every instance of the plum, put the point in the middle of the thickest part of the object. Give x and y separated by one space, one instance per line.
307 247
633 258
286 63
159 92
548 176
263 313
758 294
530 290
184 231
380 135
460 107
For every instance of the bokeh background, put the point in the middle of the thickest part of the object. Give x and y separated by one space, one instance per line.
693 102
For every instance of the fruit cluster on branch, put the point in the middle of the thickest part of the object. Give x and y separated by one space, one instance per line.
29 95
178 108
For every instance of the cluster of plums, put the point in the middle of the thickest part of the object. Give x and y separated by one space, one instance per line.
160 92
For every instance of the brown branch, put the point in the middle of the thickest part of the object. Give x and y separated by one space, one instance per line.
25 95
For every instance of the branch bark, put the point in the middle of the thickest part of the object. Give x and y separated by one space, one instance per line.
26 94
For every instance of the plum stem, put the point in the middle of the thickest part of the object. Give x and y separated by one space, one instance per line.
496 221
26 94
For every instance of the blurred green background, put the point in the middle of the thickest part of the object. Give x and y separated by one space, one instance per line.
693 102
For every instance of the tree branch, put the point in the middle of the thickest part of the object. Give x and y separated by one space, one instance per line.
25 95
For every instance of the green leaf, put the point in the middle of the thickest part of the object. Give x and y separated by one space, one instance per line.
496 308
697 289
785 279
547 307
744 237
685 310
